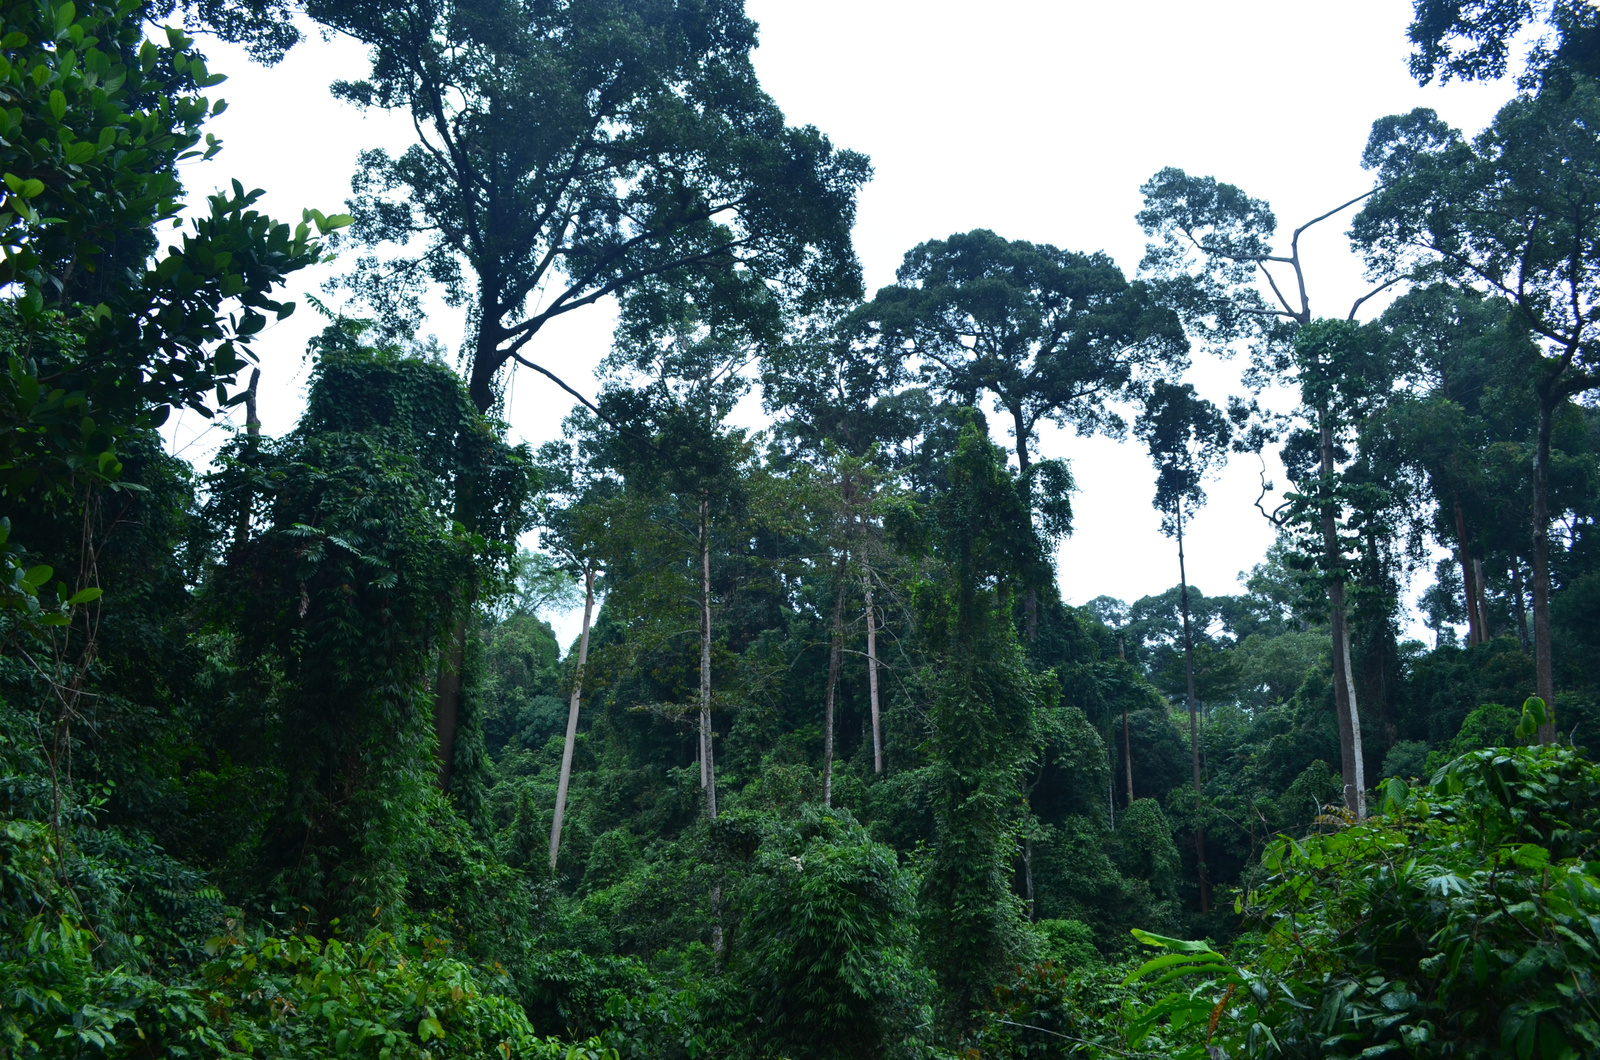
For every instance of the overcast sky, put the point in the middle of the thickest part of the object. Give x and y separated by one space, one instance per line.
1039 120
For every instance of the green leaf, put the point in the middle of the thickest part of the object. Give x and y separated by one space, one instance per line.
1182 946
66 14
84 596
1534 714
58 103
37 576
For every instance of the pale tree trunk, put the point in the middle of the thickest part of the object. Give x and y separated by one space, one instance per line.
708 764
1194 716
1111 794
835 653
1543 657
252 426
1344 694
708 767
1127 754
1468 577
572 718
872 677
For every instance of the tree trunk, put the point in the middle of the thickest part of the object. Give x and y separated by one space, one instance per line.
1344 694
1468 576
1483 602
1519 599
572 718
835 654
252 427
1543 657
872 678
1111 785
1030 598
1194 716
1127 754
708 766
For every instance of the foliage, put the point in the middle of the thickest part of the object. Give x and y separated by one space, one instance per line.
603 148
1460 919
830 951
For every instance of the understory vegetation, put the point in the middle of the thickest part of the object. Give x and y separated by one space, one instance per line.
293 763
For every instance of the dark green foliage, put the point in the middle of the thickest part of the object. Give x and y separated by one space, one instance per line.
1462 920
604 148
984 718
351 584
829 964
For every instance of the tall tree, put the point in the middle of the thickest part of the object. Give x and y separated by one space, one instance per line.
667 406
570 152
1214 251
1465 360
983 721
567 152
1188 439
1515 212
1048 334
572 522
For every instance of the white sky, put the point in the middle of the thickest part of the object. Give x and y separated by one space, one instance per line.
1039 120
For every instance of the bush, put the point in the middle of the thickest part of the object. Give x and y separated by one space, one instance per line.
1464 920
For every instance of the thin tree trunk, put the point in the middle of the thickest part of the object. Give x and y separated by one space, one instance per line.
708 766
872 678
1520 600
572 718
1111 786
252 427
835 656
1127 744
1027 876
1194 716
1483 602
1030 598
1468 576
1344 693
1543 657
1127 754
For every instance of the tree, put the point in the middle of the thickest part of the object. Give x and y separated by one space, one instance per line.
1515 212
669 439
571 152
580 151
1215 246
1188 438
1048 334
983 720
569 518
1464 361
350 580
109 331
1471 39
